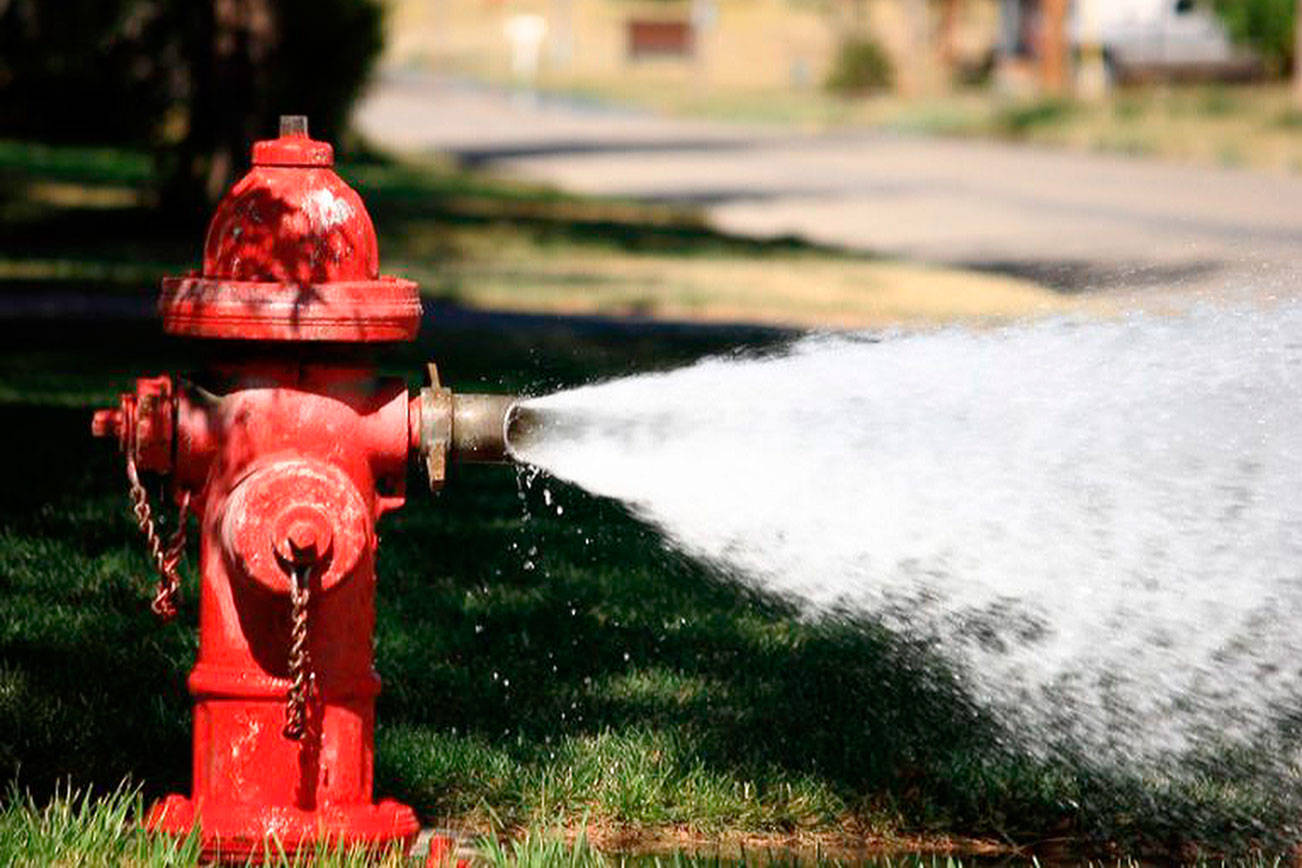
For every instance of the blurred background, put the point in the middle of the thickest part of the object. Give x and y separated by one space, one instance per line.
847 132
583 189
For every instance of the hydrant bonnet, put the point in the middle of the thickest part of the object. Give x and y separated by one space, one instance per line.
291 255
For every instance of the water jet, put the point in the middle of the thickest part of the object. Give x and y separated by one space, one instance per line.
1095 522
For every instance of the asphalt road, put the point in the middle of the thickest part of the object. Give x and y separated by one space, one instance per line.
1078 222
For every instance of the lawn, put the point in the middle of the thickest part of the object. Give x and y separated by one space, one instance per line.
1254 126
76 220
541 671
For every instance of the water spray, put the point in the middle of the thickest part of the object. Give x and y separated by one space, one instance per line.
1097 524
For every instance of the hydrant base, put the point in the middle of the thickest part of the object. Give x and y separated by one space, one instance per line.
250 832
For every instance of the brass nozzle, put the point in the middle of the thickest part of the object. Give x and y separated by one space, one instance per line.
464 427
479 427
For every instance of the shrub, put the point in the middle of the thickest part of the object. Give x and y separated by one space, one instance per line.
1021 119
861 66
1266 25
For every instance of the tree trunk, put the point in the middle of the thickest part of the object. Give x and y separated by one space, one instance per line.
1297 56
1053 46
949 35
228 42
914 68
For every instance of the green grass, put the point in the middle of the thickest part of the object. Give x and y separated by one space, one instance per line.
477 241
1021 119
91 830
95 165
540 670
537 849
86 828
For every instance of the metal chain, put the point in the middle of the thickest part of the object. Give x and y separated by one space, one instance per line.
166 556
300 664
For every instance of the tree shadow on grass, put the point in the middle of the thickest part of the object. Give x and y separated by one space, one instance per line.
406 202
91 685
610 631
92 689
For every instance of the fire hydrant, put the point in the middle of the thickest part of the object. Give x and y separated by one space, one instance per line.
287 448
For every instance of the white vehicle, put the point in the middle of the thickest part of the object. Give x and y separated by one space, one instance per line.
1144 39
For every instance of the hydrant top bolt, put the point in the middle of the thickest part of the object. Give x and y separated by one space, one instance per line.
293 125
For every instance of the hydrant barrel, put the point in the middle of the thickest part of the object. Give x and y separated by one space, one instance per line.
297 456
288 459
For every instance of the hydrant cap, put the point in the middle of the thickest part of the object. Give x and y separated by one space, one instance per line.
291 255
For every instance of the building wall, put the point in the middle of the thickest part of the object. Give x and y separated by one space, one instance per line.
743 44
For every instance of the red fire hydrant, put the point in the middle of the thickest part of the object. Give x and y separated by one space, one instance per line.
288 449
